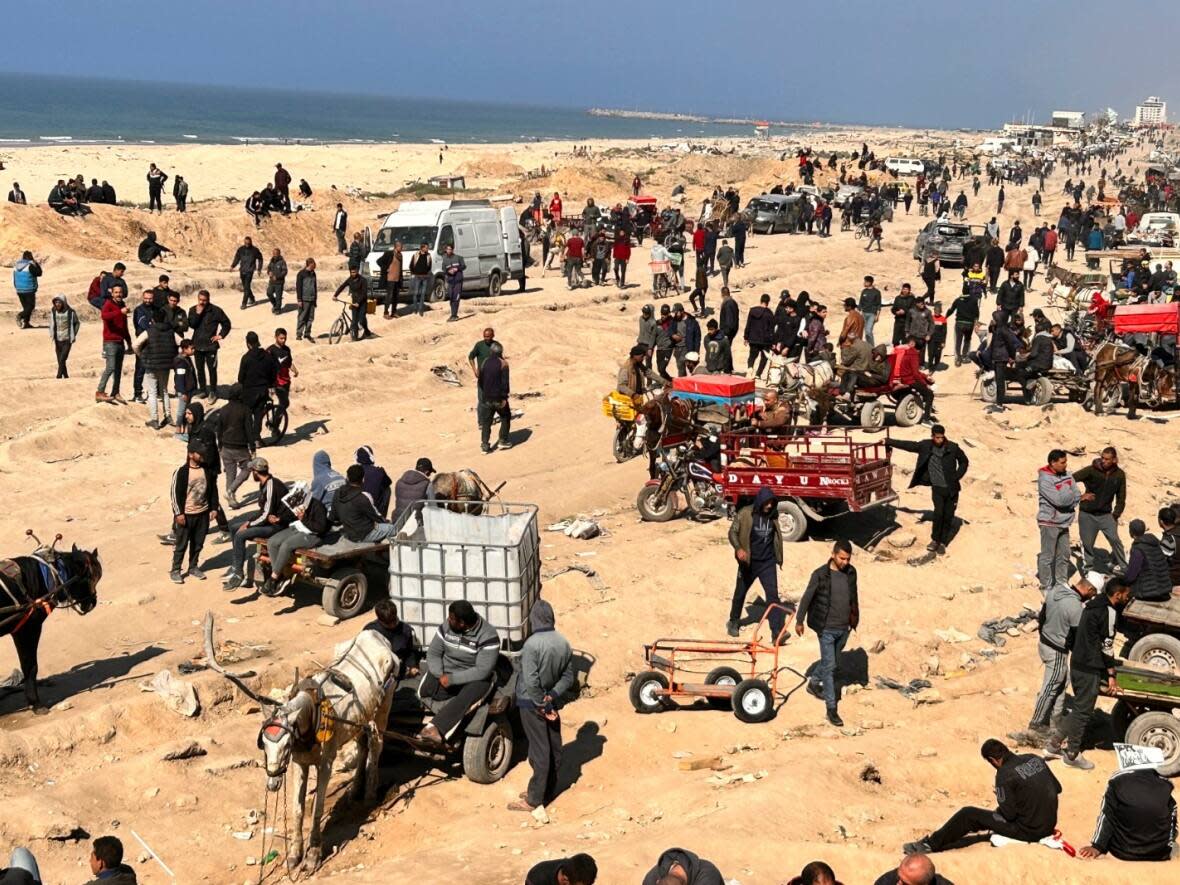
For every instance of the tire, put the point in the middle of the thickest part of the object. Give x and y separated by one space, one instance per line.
649 511
1042 391
274 424
1120 720
661 286
753 701
987 391
1157 650
722 676
495 284
336 333
640 692
872 415
345 593
792 521
1161 730
622 443
1112 397
908 411
438 292
487 757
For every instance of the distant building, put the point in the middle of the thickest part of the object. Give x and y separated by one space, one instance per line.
1152 112
1030 135
1068 120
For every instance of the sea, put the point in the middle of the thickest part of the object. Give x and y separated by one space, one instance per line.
39 110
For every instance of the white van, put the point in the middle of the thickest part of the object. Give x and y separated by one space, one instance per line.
905 165
486 237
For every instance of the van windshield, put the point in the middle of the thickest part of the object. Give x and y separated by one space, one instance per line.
764 206
411 237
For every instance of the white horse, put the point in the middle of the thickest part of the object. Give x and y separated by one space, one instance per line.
348 701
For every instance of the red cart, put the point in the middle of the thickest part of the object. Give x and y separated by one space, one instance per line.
813 477
750 692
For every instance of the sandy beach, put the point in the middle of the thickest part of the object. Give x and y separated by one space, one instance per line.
94 473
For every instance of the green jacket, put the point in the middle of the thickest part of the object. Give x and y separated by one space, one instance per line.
743 524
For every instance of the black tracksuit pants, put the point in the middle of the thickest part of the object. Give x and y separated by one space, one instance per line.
767 574
978 820
190 537
946 501
544 739
206 361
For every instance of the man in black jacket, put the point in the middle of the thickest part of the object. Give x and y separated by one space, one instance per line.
208 325
831 607
273 516
942 466
353 510
965 310
402 641
902 304
248 261
728 316
1147 570
194 503
257 373
1103 499
1026 794
577 870
493 399
234 425
1010 298
1091 664
1038 361
306 293
759 335
412 486
358 302
870 306
1137 820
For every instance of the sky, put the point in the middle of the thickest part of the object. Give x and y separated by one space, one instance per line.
906 62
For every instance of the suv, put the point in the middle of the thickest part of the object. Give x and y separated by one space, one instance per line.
946 239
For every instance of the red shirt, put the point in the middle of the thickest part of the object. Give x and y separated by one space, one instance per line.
1050 240
621 250
555 206
907 368
574 246
114 322
698 240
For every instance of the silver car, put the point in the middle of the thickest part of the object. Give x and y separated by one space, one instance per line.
946 239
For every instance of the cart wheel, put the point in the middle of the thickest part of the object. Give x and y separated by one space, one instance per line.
752 701
1120 720
1161 730
345 593
792 522
661 286
649 508
722 676
987 391
1159 651
487 757
642 692
908 411
1042 392
872 415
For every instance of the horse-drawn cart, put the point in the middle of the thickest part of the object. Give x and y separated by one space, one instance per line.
1145 715
343 570
1147 367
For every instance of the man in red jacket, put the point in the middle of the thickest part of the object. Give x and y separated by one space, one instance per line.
1049 245
621 252
907 376
698 244
116 341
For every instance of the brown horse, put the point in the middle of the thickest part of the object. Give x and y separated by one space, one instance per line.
1116 363
465 491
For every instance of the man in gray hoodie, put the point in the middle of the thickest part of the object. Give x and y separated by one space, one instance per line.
546 674
1058 496
460 664
682 866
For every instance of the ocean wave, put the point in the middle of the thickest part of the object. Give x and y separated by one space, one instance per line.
55 138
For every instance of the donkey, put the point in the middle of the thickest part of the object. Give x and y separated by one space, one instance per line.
347 701
31 587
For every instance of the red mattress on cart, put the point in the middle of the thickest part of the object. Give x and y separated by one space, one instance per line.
723 386
1147 318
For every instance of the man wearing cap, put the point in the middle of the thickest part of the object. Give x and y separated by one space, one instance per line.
412 487
634 376
272 518
1058 625
854 322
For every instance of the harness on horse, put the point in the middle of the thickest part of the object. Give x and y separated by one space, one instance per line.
12 579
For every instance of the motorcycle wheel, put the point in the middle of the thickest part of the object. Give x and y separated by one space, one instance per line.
650 510
987 391
622 448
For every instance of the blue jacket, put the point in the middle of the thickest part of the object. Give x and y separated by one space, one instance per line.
24 275
692 334
1095 241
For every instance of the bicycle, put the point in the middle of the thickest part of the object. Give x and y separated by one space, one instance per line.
274 422
342 325
661 277
863 229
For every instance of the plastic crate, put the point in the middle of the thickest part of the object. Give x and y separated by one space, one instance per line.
617 405
491 559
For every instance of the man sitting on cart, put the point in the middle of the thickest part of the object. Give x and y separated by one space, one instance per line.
460 668
906 376
774 414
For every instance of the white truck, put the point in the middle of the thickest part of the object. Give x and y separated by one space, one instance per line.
488 239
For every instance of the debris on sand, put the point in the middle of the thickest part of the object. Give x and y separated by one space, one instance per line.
447 374
908 689
180 697
993 631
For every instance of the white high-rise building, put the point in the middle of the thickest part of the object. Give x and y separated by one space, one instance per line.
1152 112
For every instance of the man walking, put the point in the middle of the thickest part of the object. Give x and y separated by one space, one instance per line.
831 608
306 291
941 465
729 316
116 341
870 307
1104 495
340 227
1058 497
25 273
155 179
276 277
757 543
1091 664
546 674
759 334
452 267
621 253
494 391
248 261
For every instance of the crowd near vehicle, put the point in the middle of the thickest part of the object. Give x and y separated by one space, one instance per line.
946 239
905 165
750 692
487 238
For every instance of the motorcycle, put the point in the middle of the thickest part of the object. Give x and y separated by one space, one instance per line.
681 475
630 437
